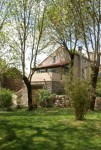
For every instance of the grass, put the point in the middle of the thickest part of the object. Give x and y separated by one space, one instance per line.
49 129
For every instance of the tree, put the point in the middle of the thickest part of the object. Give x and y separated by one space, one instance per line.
4 12
63 25
12 79
3 68
5 7
28 29
88 13
74 22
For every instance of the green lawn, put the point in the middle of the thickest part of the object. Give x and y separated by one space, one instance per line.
52 129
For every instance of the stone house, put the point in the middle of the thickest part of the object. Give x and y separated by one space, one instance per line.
49 74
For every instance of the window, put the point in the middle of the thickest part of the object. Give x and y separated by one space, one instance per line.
42 70
54 59
52 70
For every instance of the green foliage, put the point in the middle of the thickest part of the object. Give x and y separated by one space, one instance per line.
78 92
44 98
63 23
13 73
3 67
5 98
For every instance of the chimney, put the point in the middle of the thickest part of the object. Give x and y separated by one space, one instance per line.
91 54
80 49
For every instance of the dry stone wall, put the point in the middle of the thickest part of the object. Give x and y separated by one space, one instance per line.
20 98
61 101
98 103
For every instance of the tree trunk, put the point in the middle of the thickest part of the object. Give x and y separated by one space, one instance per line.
31 106
71 66
72 60
71 54
94 76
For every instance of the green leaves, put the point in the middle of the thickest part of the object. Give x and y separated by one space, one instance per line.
44 98
78 91
5 98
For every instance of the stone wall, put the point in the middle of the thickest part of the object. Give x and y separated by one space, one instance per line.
98 103
48 85
61 101
20 98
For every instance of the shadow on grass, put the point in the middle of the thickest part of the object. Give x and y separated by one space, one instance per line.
52 132
45 111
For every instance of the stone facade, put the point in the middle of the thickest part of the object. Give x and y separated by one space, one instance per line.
41 85
57 87
52 70
54 87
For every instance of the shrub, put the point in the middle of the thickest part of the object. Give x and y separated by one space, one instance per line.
44 98
78 92
5 98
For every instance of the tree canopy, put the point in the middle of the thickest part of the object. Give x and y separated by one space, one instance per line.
27 27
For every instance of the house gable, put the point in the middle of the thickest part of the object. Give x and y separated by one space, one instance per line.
60 56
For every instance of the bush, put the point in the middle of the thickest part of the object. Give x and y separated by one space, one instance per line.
44 98
78 92
5 98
